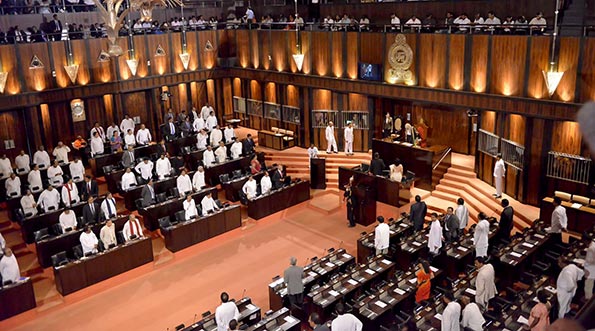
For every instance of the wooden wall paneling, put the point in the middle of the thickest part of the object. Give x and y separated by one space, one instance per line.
227 98
566 137
306 40
292 96
123 70
255 48
515 129
237 88
371 49
320 53
208 58
568 63
46 126
227 43
447 127
192 48
108 103
199 93
210 93
337 54
94 112
8 60
535 159
59 56
488 121
38 79
160 64
539 55
321 100
291 48
508 65
306 106
432 60
103 72
456 66
13 125
61 120
34 124
140 50
270 95
79 54
182 96
279 49
264 49
243 47
479 63
134 104
256 94
352 54
359 102
174 100
587 92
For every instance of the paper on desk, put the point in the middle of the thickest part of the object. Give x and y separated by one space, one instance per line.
312 273
333 293
380 304
403 225
385 261
369 271
391 232
470 291
461 248
433 269
522 320
528 245
576 205
250 306
538 236
415 243
515 254
347 256
352 282
438 316
413 280
330 265
290 319
399 291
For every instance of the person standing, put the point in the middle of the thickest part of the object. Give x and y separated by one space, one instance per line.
590 270
506 221
348 136
472 317
345 321
9 267
381 237
292 276
463 215
499 173
539 318
348 198
226 312
424 281
148 194
190 210
316 323
435 237
387 127
485 286
132 229
566 285
377 165
331 142
451 225
23 163
451 314
108 234
108 207
559 221
417 213
89 241
481 235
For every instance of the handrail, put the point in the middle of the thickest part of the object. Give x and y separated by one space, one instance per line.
444 154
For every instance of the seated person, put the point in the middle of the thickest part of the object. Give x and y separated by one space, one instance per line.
396 173
377 165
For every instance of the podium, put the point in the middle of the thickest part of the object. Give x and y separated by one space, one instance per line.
318 173
364 204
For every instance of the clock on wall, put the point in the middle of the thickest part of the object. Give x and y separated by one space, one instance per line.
77 106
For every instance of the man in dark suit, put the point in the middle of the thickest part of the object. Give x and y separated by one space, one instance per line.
128 158
277 177
170 130
161 148
248 145
377 165
89 189
451 228
91 211
56 25
148 194
506 221
418 213
316 323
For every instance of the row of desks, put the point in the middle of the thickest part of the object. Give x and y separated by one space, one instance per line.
279 320
249 315
16 298
85 272
278 200
579 219
25 183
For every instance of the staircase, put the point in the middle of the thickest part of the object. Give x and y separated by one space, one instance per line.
573 15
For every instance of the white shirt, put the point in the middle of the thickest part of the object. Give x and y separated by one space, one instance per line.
205 111
22 162
559 220
77 170
128 178
41 158
216 137
538 21
198 180
127 124
346 322
329 133
111 130
265 184
9 268
61 153
211 122
198 124
462 214
492 21
236 150
224 314
74 194
13 186
450 317
208 157
228 133
382 236
190 209
485 286
2 242
413 22
96 146
34 178
55 175
482 231
435 238
143 136
129 229
348 134
201 140
111 203
108 235
208 204
67 220
249 189
88 242
395 21
590 260
472 317
499 168
48 199
27 202
184 184
221 154
312 152
145 169
100 132
163 167
129 140
464 23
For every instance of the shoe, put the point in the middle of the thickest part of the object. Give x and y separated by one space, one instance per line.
494 195
328 153
351 226
498 196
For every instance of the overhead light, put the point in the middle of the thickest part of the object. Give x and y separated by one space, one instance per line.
72 71
552 80
185 58
3 77
299 61
132 65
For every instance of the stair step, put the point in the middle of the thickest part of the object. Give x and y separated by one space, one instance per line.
461 172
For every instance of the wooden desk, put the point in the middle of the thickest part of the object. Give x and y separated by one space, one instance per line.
270 139
79 274
153 213
279 320
234 187
16 298
97 163
398 230
279 200
416 159
66 241
160 186
579 219
249 315
194 231
386 191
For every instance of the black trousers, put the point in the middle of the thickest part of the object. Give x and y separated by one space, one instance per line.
350 215
295 299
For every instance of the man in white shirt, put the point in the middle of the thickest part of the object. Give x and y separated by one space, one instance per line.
331 142
472 317
249 188
462 214
5 167
216 136
206 110
41 158
485 286
198 124
208 157
61 152
184 184
49 199
208 204
28 204
198 180
566 285
499 173
70 194
163 167
451 314
97 147
77 170
201 139
34 179
229 134
132 229
55 174
312 152
348 136
463 22
211 121
128 180
67 220
265 183
236 149
145 169
143 136
127 124
478 22
9 267
226 312
221 152
381 237
190 210
345 321
413 23
108 207
481 234
100 132
89 241
435 236
113 128
559 221
22 161
395 22
492 22
590 270
538 23
129 139
13 186
108 234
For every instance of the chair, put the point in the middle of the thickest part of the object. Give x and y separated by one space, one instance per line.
139 203
35 189
582 200
180 216
41 234
120 237
563 195
237 173
186 150
78 251
59 259
224 178
274 129
174 193
80 222
161 197
56 229
164 223
107 169
21 171
180 327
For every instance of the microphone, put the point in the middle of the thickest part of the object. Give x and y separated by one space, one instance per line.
194 320
340 244
586 121
243 293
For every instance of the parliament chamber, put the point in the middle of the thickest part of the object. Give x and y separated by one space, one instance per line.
376 166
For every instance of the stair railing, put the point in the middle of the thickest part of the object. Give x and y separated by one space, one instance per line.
444 155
